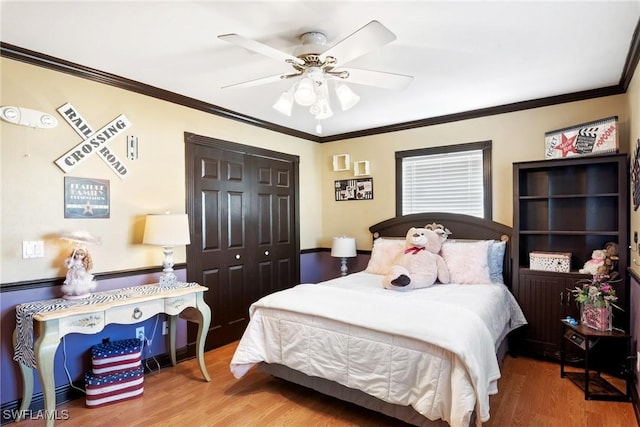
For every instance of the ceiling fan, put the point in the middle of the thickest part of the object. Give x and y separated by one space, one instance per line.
315 64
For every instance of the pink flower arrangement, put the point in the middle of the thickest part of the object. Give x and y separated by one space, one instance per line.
596 291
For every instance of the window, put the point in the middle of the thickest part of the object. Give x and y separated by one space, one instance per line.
453 179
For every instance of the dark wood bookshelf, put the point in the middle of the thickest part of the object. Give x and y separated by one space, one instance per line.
573 205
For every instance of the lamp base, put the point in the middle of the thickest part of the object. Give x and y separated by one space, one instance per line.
343 266
168 280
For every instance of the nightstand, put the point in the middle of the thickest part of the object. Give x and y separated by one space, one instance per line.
595 387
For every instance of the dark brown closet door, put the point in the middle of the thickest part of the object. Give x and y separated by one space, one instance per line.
243 217
273 213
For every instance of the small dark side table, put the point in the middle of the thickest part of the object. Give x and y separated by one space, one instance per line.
595 387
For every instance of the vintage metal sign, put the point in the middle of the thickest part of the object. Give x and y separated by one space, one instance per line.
86 197
593 138
94 142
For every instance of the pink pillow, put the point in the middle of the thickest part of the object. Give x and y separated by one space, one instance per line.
383 255
467 262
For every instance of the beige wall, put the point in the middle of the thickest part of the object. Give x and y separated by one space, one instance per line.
32 185
516 137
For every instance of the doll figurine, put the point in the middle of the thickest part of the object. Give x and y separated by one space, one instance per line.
79 282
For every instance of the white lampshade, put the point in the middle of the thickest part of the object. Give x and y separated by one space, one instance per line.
284 104
343 247
305 94
346 96
321 109
166 230
324 110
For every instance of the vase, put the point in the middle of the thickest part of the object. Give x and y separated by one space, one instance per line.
599 318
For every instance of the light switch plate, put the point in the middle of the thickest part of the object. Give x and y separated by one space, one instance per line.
32 249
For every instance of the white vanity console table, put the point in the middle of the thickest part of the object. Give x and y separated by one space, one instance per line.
48 321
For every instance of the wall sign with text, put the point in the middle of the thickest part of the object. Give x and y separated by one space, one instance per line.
93 142
593 138
86 197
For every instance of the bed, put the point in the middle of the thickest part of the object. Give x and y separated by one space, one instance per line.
428 357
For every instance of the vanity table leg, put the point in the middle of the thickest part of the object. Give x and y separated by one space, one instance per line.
173 322
203 327
45 350
27 383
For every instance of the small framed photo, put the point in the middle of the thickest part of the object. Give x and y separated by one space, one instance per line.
86 197
354 189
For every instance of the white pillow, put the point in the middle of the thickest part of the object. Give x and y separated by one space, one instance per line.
467 261
383 255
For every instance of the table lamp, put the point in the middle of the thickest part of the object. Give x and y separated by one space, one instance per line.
167 230
343 248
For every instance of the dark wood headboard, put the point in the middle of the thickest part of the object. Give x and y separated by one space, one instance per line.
461 227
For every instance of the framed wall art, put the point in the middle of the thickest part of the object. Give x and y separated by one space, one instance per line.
86 197
593 138
635 176
354 189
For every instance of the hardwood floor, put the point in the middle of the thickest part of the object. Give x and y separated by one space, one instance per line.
531 393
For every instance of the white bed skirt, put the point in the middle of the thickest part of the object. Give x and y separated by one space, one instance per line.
403 413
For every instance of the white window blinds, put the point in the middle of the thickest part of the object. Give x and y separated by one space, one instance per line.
446 182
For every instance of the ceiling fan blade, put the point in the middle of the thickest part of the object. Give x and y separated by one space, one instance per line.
260 48
261 81
376 78
368 38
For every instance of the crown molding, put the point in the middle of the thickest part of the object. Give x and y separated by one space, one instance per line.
34 58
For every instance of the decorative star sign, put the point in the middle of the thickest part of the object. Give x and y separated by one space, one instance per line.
88 209
567 146
94 142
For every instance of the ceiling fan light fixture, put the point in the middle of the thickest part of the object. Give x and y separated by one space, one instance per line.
313 42
284 104
347 97
305 94
323 109
314 64
316 74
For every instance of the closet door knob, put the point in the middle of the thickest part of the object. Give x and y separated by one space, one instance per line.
266 252
237 256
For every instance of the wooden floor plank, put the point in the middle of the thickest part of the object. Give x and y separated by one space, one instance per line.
531 394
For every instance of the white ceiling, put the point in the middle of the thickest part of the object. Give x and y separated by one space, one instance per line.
463 55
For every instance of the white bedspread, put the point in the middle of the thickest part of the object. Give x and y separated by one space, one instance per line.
433 348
